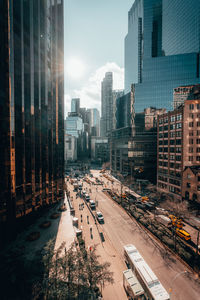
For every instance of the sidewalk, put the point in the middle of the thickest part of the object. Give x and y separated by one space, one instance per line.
66 231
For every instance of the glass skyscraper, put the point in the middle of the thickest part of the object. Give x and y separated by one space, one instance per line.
31 107
161 50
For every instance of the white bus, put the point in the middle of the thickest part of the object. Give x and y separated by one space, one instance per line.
152 286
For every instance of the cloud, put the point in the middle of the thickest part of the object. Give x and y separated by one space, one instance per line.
90 94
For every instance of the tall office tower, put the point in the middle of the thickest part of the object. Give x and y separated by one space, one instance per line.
93 118
161 50
31 107
106 104
116 94
75 105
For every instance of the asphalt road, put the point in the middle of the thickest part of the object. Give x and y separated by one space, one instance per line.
120 229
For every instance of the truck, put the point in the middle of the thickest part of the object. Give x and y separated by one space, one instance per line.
163 220
132 286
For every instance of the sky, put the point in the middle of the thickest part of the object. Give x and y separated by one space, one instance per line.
94 32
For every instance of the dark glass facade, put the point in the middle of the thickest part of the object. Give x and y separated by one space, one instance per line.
31 107
161 50
123 111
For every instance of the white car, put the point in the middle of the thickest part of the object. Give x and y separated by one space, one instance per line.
99 217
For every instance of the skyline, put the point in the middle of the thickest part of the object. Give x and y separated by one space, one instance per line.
95 52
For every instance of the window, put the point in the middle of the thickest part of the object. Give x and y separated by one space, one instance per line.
188 185
166 120
179 117
178 150
198 132
198 158
178 142
198 124
172 118
190 150
165 134
172 134
198 106
178 133
198 141
178 157
191 106
172 126
172 157
172 142
190 133
188 176
191 141
191 124
198 178
191 116
178 125
198 149
190 158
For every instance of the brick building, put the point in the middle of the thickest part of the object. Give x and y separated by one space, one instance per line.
178 146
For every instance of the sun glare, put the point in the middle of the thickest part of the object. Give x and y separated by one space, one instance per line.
74 68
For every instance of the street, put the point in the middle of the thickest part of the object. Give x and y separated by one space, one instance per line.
120 229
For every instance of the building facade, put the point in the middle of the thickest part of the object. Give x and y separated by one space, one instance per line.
178 147
119 163
191 184
142 152
70 148
75 105
99 150
93 118
161 50
106 104
116 94
74 125
31 107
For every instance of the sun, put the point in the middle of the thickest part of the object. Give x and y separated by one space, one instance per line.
74 68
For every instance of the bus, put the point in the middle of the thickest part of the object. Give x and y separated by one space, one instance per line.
154 290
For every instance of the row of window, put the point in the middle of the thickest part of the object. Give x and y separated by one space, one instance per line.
191 141
173 118
192 106
171 165
191 124
171 157
191 115
192 132
191 149
172 127
192 158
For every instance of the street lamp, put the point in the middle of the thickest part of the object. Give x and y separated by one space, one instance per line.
175 277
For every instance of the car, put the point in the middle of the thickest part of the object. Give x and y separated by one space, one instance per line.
106 190
87 197
92 204
99 217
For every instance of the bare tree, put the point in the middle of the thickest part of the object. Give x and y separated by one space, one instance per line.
71 274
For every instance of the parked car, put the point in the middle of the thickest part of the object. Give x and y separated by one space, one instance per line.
99 217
